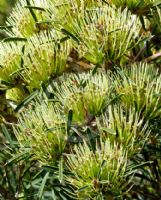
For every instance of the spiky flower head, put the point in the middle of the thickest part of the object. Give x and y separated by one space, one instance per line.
87 95
10 60
43 131
140 86
60 12
99 173
99 37
44 57
23 19
124 127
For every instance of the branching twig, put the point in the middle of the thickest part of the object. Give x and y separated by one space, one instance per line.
153 57
83 65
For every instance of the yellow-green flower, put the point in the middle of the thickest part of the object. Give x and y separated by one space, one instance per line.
87 95
10 60
44 57
100 172
23 20
43 131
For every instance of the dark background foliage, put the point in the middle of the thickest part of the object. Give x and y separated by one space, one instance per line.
5 8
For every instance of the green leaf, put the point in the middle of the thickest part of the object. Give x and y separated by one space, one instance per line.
62 197
108 130
56 169
22 60
115 99
92 138
54 129
18 157
61 170
7 136
26 101
131 168
41 189
100 170
118 29
144 177
95 69
69 122
38 174
50 168
35 7
142 22
53 195
14 39
70 35
31 11
82 188
64 39
6 83
105 2
16 72
5 27
45 89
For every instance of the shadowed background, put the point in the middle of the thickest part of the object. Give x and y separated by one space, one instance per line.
5 7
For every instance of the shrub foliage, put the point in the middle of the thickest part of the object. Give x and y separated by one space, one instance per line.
80 93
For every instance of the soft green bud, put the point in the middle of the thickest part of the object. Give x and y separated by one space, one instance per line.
15 94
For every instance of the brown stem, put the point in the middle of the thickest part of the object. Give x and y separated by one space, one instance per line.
6 194
153 57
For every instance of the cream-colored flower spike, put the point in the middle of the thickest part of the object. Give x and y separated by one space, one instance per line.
44 131
87 95
104 33
140 86
102 170
125 128
44 57
10 60
21 19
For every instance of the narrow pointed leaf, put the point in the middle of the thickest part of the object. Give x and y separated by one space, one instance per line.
7 136
42 187
26 101
69 122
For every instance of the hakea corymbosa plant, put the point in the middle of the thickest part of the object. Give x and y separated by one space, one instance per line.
10 61
110 38
99 174
141 87
81 90
125 128
44 57
46 141
21 22
87 95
